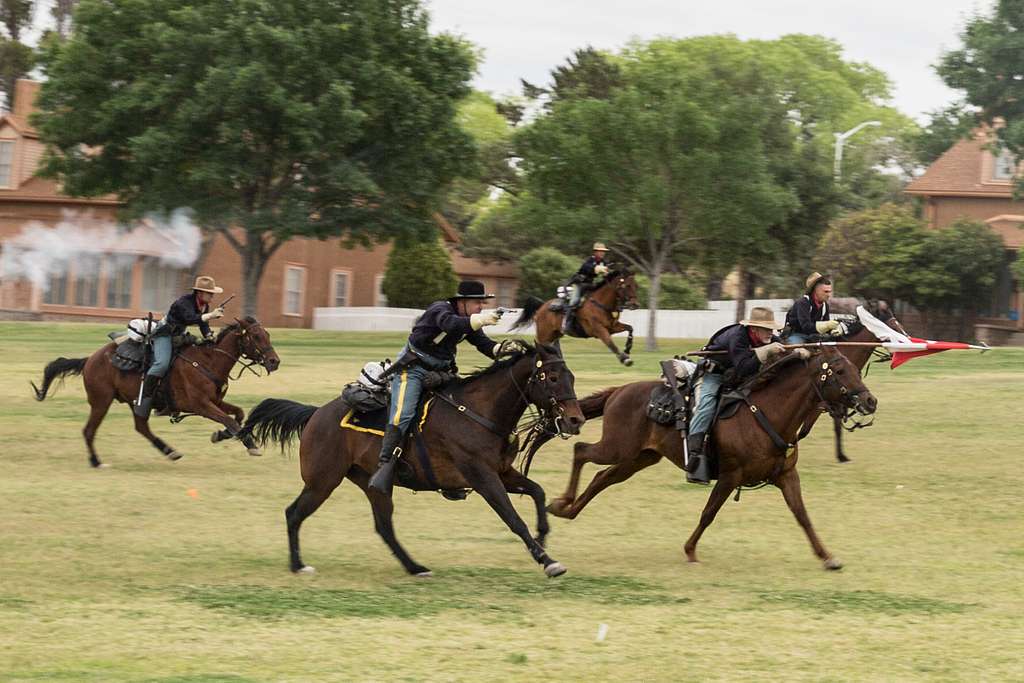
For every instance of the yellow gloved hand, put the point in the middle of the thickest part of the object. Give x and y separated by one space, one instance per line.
769 351
478 320
826 326
213 315
803 354
601 269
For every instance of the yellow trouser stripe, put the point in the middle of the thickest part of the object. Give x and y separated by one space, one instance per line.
401 398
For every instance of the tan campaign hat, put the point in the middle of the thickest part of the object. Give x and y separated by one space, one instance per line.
813 279
205 283
761 317
599 246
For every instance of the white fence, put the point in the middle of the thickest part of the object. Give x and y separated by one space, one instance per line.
670 324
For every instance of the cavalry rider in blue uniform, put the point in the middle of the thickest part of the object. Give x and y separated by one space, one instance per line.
809 314
431 347
190 309
746 346
583 281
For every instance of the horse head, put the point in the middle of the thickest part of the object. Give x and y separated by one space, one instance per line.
254 344
624 284
838 383
552 388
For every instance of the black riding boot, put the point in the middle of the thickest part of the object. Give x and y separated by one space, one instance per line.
390 451
697 469
145 402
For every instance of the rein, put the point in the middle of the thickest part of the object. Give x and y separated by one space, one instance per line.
620 299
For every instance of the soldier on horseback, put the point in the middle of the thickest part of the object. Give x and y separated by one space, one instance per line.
809 314
745 346
583 281
431 348
189 309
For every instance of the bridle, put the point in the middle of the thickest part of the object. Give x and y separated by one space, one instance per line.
620 296
848 406
257 355
550 406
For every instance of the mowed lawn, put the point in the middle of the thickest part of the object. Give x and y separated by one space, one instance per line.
158 571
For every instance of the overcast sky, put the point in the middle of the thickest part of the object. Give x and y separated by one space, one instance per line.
526 38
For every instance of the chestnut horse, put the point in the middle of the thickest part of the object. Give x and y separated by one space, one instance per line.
467 442
196 383
598 315
787 393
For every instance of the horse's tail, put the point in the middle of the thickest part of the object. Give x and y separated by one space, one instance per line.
530 309
593 406
277 419
58 370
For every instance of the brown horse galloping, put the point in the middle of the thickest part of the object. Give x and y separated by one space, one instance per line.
788 393
598 315
466 444
196 383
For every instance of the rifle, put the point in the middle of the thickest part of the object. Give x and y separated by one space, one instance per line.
806 345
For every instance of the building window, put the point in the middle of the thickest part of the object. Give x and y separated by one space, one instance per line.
294 286
57 286
87 280
340 280
1005 166
161 285
379 297
6 157
119 280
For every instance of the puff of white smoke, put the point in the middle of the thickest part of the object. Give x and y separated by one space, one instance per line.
42 251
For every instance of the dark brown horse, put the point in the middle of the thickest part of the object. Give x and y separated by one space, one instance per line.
788 393
467 443
859 355
196 383
598 315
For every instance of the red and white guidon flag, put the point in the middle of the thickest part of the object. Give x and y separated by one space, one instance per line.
904 348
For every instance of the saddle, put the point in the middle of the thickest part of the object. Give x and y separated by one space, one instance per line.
130 355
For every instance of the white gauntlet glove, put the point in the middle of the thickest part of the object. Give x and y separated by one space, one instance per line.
478 320
600 269
769 351
803 354
827 327
213 315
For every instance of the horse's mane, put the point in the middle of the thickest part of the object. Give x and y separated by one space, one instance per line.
498 365
770 372
228 329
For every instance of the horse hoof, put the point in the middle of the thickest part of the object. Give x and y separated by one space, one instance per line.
555 569
832 564
304 569
174 455
215 437
254 451
425 574
627 361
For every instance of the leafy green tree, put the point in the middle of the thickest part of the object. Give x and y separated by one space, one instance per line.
16 58
678 293
946 127
988 67
269 118
541 271
418 274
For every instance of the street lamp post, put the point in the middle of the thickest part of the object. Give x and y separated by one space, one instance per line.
841 138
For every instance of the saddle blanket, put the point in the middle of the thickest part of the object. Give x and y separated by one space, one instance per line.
375 421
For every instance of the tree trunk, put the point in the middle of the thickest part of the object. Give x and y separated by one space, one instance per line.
253 261
741 297
651 343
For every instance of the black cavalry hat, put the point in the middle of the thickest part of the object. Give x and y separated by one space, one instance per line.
472 289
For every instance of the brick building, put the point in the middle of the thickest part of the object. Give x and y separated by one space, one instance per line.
108 279
969 181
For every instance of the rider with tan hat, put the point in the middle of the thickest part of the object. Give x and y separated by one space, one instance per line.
809 316
190 309
583 281
745 347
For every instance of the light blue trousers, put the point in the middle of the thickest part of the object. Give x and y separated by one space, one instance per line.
161 356
707 400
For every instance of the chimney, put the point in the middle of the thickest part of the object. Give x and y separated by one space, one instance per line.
25 92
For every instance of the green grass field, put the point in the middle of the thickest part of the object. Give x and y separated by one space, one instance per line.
122 575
